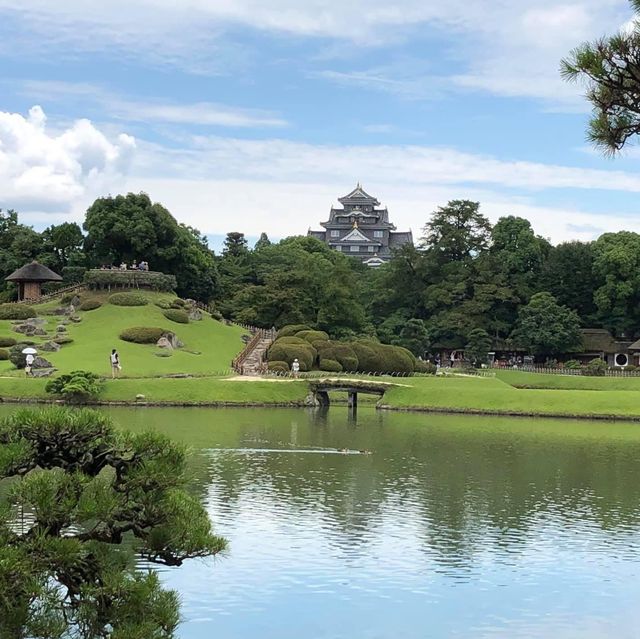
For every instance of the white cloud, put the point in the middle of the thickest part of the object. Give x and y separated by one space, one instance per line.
41 171
152 109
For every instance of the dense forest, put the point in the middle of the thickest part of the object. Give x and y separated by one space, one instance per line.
466 283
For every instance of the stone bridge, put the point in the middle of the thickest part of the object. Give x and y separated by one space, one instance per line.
322 387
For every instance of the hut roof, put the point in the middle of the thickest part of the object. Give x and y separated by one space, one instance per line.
33 272
596 340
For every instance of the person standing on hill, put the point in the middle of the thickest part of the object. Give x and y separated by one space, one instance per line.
115 363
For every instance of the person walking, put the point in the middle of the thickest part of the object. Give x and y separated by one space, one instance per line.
29 359
295 367
115 363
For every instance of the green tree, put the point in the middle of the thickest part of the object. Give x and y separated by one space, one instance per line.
616 266
77 488
478 346
414 337
546 328
235 245
263 241
64 243
131 227
610 69
568 275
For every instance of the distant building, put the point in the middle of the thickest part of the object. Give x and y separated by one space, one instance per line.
361 229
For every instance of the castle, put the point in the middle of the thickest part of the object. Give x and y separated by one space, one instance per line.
361 229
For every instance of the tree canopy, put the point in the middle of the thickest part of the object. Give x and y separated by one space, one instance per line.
78 490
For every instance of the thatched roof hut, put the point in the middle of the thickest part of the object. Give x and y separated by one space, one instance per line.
30 278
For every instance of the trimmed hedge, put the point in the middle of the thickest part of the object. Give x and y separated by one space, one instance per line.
330 365
306 355
163 304
128 299
178 303
425 367
341 352
16 312
292 340
142 334
176 315
279 367
382 358
4 354
311 336
98 278
7 341
292 329
90 304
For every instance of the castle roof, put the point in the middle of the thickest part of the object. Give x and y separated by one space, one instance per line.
33 272
358 197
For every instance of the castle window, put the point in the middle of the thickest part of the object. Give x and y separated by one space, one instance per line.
354 249
378 234
371 249
335 233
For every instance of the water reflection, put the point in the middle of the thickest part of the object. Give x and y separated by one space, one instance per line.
454 526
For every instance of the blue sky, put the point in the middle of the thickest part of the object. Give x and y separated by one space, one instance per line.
257 115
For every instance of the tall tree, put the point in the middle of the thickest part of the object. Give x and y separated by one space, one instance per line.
263 241
85 502
617 266
610 69
64 242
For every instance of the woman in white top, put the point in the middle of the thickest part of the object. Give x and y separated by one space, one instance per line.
115 363
29 359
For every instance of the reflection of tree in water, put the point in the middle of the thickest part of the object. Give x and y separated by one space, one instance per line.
469 485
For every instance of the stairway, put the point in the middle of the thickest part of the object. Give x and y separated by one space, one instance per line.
254 360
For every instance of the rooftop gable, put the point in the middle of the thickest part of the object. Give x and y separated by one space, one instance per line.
355 236
359 196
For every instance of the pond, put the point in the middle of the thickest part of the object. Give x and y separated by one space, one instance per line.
451 527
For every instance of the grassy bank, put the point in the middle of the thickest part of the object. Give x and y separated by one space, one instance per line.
495 396
195 391
519 379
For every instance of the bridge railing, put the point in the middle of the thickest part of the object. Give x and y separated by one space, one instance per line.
260 333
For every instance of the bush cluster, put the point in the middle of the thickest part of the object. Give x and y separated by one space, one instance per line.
315 349
96 278
176 315
142 334
4 354
16 312
178 303
75 387
128 299
572 364
7 341
428 368
90 304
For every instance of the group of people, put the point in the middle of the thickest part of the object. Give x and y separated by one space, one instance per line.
134 266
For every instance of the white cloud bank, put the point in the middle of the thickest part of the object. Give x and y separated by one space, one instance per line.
42 171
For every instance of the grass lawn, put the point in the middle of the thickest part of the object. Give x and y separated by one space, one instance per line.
520 379
209 345
496 396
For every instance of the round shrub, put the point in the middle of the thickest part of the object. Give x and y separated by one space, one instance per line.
631 368
382 358
7 341
176 315
279 367
4 354
288 352
142 334
66 298
368 360
217 315
90 304
349 364
16 312
572 364
163 304
330 365
291 329
128 299
311 336
341 352
178 303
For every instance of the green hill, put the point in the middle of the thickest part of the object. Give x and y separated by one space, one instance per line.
209 345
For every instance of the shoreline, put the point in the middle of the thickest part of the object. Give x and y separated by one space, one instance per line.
301 404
